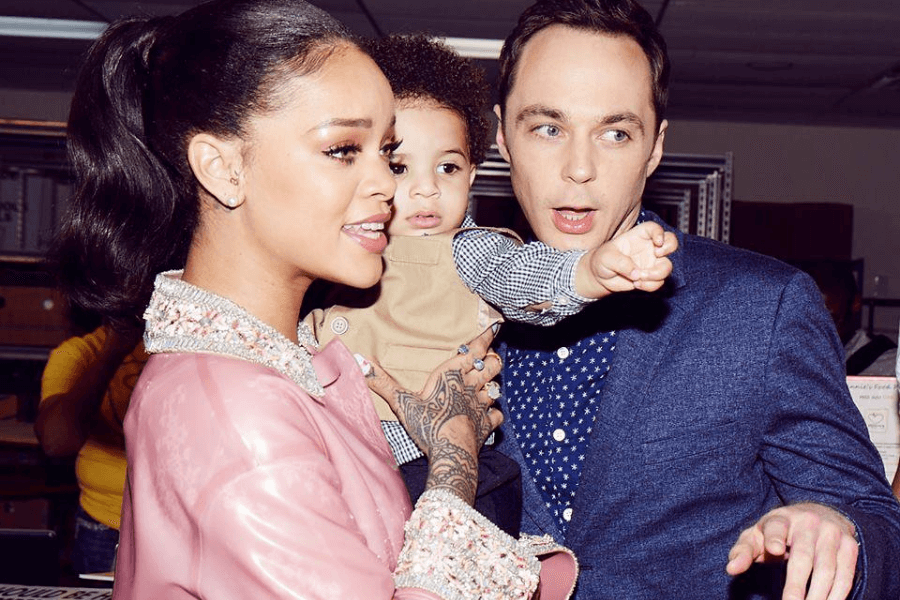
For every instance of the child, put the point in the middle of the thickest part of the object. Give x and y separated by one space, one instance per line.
422 311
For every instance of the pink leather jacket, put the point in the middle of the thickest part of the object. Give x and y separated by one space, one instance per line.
283 496
268 476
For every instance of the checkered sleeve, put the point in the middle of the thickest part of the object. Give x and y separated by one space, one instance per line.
403 447
530 283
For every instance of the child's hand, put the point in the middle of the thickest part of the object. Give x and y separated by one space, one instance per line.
635 260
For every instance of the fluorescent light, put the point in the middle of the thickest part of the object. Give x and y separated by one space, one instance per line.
51 28
474 47
89 30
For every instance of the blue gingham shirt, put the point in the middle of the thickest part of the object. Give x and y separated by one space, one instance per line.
529 283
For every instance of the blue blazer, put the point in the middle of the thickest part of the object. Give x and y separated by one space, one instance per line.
726 398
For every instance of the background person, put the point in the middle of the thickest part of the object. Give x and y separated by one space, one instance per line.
864 355
672 439
85 391
248 142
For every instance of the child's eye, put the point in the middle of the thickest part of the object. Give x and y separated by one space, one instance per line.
344 152
397 168
448 168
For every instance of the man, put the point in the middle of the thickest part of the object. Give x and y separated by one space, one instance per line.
863 354
676 439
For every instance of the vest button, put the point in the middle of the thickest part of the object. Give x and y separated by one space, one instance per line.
339 326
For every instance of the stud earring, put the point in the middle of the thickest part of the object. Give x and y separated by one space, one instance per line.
232 202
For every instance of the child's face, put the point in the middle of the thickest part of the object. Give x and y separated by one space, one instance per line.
432 170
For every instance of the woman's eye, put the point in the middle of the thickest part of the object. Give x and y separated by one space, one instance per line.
547 130
389 148
397 168
448 168
344 153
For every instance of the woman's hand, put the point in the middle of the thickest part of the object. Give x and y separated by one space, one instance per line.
450 419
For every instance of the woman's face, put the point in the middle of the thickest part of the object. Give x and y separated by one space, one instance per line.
315 179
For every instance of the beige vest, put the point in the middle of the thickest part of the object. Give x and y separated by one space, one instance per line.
415 319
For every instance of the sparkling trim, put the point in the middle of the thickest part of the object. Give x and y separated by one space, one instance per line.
184 318
455 552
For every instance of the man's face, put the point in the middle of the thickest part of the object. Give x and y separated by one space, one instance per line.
579 133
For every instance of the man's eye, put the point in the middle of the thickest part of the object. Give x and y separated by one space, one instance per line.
616 135
547 130
398 168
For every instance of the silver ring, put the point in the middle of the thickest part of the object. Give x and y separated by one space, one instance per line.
463 349
493 389
478 364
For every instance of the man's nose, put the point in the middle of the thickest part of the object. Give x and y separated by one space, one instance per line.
580 164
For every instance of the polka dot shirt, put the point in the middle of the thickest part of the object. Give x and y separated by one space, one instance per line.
552 404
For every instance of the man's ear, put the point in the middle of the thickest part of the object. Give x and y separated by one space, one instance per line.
501 139
657 153
216 164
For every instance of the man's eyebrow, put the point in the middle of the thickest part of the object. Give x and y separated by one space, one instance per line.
623 117
540 110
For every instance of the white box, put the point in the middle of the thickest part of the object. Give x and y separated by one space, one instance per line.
877 399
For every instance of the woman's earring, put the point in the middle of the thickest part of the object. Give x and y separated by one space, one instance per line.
232 202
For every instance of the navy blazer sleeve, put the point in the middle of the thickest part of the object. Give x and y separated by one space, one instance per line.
816 446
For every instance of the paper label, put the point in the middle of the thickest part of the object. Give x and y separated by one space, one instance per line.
876 398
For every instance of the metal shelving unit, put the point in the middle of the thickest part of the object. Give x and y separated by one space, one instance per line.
690 192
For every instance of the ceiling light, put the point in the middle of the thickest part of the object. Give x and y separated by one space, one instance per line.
474 47
51 28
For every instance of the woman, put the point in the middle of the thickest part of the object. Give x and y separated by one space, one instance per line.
248 141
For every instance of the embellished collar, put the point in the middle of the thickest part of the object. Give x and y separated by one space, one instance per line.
185 318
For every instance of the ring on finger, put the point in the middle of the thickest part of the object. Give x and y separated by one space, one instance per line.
493 389
478 364
463 349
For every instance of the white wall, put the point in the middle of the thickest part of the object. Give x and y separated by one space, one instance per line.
789 163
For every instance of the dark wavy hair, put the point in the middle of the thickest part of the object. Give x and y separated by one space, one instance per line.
148 86
421 68
610 17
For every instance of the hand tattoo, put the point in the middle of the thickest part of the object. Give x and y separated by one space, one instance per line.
451 450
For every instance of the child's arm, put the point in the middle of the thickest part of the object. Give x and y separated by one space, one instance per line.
535 283
635 260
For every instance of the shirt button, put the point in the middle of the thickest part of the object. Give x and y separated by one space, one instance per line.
559 435
563 353
340 326
567 514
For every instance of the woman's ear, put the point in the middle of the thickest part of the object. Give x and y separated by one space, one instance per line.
216 164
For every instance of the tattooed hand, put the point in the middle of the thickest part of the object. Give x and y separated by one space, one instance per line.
450 419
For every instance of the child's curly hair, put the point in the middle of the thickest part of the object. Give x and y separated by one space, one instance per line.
421 68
